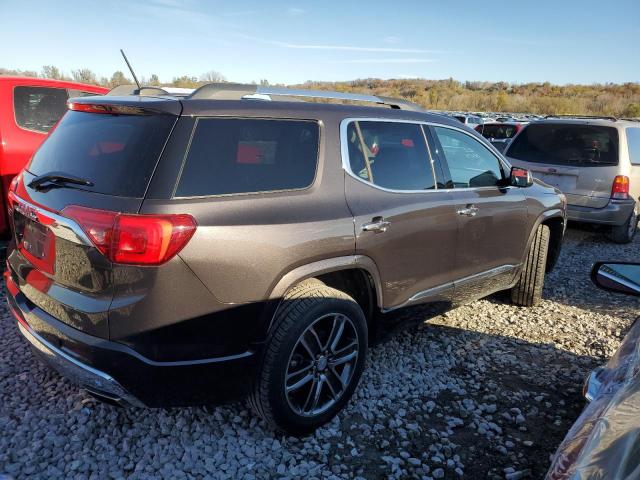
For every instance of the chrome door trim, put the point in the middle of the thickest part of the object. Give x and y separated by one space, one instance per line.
441 289
487 274
346 165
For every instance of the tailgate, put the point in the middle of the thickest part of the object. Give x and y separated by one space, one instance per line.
58 269
100 157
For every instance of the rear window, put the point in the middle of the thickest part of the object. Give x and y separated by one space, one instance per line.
118 153
562 144
499 132
231 156
39 108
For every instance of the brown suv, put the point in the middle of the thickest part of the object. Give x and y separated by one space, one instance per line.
175 251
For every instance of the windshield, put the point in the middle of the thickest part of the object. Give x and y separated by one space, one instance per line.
499 131
562 144
117 153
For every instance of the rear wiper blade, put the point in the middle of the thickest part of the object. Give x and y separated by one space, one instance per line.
57 179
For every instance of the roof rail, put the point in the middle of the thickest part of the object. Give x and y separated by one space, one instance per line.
586 117
238 91
629 119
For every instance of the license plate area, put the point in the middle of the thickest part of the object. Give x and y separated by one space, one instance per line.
35 241
566 183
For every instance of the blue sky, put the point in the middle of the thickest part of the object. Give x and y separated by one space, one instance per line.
561 41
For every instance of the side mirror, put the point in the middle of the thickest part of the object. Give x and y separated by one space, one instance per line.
622 277
520 177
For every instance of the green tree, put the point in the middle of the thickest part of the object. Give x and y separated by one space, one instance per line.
212 76
118 78
632 110
154 80
50 71
84 75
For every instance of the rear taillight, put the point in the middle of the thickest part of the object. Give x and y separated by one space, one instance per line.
108 109
620 188
134 239
12 189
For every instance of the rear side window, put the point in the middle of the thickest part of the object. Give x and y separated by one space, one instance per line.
633 140
563 144
118 153
395 155
470 163
39 108
230 156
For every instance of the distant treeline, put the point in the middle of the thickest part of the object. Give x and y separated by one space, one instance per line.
621 100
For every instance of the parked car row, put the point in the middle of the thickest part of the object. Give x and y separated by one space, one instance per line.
179 248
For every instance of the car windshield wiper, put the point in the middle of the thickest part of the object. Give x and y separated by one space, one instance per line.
57 179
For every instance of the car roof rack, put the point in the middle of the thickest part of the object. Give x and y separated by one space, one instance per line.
239 91
628 119
585 117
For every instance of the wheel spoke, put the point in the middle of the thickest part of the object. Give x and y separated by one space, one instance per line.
316 395
351 345
335 361
334 394
306 346
298 372
310 394
338 376
315 335
337 333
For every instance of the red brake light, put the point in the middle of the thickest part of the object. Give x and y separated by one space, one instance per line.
134 239
108 109
620 188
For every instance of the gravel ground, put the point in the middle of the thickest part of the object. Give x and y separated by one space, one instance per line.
485 391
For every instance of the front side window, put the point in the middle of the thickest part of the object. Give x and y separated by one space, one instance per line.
566 144
39 108
633 140
470 163
231 156
391 155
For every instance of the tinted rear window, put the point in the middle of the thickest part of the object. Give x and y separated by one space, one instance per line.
230 156
118 153
562 144
499 132
39 108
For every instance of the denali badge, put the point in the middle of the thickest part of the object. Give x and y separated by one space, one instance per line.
27 211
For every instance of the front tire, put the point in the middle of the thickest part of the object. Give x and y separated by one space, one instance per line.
528 291
624 233
313 359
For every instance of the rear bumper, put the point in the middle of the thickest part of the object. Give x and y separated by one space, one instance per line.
120 374
617 212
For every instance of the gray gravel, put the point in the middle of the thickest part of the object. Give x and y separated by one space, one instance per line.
485 391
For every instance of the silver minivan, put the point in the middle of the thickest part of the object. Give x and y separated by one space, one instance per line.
595 162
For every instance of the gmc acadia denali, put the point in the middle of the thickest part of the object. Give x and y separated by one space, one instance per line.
180 251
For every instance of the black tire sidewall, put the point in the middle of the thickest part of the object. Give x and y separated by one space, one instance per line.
283 414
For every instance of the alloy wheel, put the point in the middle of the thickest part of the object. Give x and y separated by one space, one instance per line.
321 364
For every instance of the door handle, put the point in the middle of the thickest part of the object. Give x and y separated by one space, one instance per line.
468 211
378 225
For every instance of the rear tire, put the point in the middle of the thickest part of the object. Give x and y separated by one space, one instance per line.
624 233
303 339
528 291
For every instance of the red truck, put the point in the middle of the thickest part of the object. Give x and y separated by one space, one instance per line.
29 108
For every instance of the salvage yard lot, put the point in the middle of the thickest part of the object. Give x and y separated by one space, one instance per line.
487 390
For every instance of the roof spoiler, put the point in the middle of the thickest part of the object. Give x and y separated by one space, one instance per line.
239 91
124 90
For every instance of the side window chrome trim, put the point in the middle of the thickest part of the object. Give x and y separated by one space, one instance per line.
346 165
